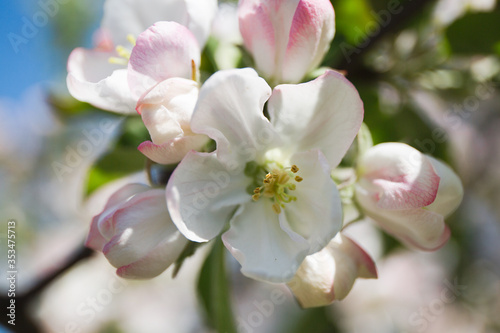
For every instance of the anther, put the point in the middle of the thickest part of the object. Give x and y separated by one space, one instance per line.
276 208
256 196
298 179
294 168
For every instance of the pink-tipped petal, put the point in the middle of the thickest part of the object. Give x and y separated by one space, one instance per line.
402 176
311 33
286 38
163 51
139 226
174 150
418 228
95 240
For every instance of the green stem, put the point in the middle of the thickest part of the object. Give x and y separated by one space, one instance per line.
214 289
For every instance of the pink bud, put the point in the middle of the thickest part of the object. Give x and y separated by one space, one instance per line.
135 232
287 39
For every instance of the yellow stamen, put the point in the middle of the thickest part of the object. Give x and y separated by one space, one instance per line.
131 39
193 70
118 61
276 186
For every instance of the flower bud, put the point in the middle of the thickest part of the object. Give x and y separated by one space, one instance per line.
408 194
287 39
329 274
135 232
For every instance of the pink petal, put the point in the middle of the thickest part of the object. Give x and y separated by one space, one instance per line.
165 50
418 228
402 176
174 150
311 33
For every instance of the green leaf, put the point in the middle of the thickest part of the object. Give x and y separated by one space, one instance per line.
213 288
119 163
475 33
365 140
351 19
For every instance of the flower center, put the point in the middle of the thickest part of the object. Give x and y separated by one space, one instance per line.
277 185
123 53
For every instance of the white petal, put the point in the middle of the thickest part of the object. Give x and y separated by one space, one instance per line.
263 249
201 14
402 177
202 195
329 275
157 260
165 50
92 79
167 108
316 215
123 17
230 111
450 192
329 110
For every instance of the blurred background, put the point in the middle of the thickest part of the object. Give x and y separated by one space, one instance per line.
428 72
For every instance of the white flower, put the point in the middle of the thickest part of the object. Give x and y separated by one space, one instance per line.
270 178
100 76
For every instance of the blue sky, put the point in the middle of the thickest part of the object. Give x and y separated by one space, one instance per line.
36 60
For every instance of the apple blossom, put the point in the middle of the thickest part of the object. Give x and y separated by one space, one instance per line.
408 193
135 232
287 38
99 76
270 178
329 274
